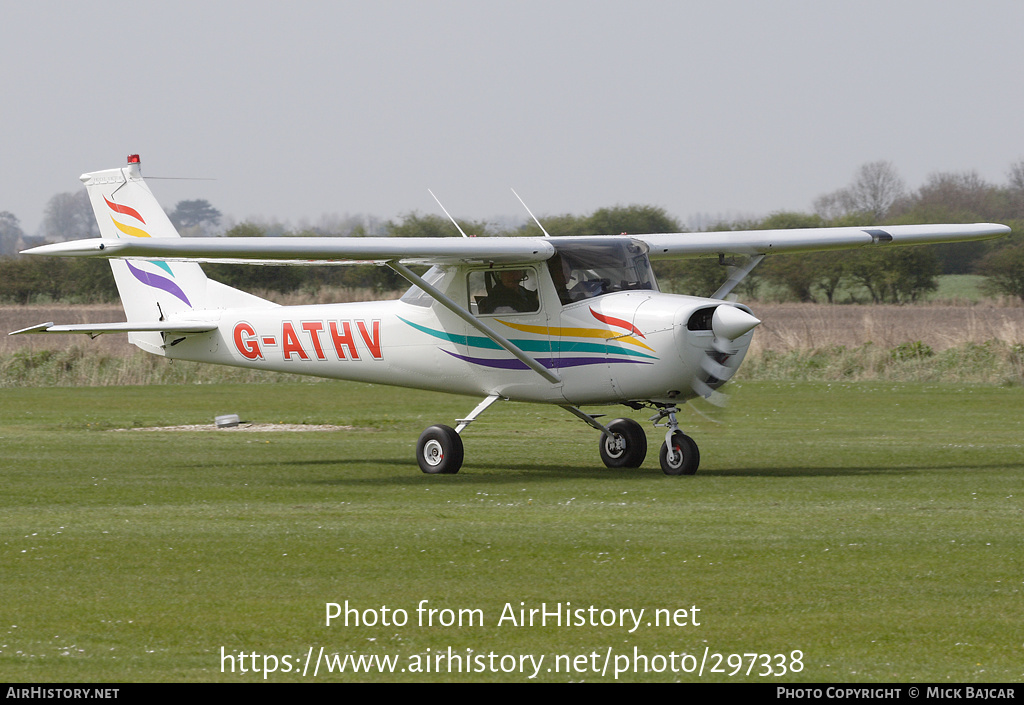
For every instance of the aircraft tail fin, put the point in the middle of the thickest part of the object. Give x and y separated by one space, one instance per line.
152 290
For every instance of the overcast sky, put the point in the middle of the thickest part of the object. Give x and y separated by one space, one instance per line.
301 109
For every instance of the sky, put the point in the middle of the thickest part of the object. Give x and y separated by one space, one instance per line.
302 110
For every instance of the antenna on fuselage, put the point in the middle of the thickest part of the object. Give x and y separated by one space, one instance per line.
447 213
531 214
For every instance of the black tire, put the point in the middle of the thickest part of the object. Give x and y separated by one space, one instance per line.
628 447
439 451
685 459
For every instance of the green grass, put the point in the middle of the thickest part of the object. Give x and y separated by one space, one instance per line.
958 287
874 527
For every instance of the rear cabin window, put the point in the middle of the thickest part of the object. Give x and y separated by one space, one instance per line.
416 296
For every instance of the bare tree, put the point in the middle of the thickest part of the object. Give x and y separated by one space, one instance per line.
11 234
831 206
1016 175
876 186
69 216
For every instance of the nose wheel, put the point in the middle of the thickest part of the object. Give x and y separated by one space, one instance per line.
679 453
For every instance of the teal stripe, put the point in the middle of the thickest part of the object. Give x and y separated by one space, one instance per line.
569 346
162 265
530 345
473 341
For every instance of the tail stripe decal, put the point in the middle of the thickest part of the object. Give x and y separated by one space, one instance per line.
155 280
126 210
130 230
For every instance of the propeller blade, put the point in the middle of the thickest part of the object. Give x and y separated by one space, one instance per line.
716 370
713 397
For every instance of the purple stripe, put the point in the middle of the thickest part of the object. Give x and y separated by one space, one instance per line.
548 362
158 282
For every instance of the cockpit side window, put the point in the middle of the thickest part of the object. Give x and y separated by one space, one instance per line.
503 291
588 268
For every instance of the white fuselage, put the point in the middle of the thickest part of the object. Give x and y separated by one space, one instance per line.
621 346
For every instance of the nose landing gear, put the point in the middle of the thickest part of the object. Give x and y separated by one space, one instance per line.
679 453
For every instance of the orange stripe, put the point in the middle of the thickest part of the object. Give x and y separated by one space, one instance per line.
616 322
576 333
126 210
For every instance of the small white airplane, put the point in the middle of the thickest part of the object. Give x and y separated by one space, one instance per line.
570 321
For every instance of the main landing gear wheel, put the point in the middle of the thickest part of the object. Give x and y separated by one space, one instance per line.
627 447
685 456
439 450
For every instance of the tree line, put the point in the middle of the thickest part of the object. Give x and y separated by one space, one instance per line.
876 196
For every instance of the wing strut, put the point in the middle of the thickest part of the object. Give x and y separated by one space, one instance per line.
575 411
738 275
469 318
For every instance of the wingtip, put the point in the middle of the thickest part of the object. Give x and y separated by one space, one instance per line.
92 246
38 328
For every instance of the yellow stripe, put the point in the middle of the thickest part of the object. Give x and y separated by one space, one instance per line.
576 332
129 230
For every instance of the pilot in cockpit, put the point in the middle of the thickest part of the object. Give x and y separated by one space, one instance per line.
506 294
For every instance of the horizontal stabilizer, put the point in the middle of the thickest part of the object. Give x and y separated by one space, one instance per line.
94 329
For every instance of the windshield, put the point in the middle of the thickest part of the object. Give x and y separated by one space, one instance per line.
585 268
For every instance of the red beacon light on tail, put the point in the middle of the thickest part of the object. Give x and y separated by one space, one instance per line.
134 159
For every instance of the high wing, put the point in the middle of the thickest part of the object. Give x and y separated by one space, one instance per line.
500 250
312 250
766 242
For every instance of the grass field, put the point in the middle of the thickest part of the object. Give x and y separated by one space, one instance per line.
875 528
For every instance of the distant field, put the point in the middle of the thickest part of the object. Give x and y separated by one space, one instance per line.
957 289
874 529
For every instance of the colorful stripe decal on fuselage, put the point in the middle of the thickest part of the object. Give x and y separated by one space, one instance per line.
552 363
559 353
578 333
610 320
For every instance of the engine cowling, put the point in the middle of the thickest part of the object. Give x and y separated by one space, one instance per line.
717 339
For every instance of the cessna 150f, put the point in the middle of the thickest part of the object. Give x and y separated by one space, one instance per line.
571 321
